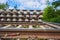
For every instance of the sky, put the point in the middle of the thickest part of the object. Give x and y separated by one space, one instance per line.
26 4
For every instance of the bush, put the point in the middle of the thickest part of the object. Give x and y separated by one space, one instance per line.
57 12
56 19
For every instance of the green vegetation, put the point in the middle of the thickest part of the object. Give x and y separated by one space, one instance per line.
51 14
2 6
48 13
56 3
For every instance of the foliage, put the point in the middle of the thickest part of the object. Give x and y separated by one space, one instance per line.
57 12
56 19
51 15
56 3
48 13
2 6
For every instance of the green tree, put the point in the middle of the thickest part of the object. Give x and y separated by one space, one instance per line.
49 13
56 3
2 6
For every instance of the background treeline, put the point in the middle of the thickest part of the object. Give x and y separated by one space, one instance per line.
52 13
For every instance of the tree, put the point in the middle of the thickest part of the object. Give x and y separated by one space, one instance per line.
49 13
56 3
2 6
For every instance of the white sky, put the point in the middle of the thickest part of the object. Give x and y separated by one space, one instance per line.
27 4
2 1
